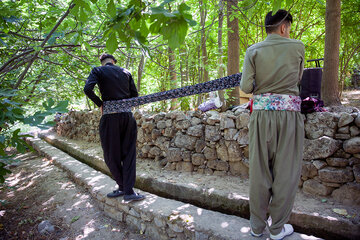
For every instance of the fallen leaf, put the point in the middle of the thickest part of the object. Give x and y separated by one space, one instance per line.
340 211
74 219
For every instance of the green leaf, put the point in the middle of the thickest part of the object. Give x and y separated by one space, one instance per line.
276 6
321 2
74 219
183 7
3 43
112 43
289 2
111 9
83 16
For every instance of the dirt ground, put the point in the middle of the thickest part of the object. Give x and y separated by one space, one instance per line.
351 98
37 190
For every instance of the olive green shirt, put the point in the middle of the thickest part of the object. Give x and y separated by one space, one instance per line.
274 65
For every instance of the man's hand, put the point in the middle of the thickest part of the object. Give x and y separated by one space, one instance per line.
101 109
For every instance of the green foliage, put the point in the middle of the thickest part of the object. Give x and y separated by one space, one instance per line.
11 113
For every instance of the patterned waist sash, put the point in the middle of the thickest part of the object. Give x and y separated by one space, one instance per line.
277 102
124 105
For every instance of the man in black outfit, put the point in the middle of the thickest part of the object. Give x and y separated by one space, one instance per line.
118 130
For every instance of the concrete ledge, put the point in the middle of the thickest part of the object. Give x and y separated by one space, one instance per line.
320 224
156 217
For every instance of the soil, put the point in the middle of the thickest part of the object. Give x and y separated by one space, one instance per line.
351 98
37 190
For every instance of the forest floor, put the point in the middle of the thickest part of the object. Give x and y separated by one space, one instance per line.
37 190
351 98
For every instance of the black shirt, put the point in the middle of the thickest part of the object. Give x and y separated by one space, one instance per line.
114 82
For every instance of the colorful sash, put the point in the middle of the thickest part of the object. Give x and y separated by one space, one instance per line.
277 102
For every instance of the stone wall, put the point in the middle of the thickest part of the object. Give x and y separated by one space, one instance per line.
217 143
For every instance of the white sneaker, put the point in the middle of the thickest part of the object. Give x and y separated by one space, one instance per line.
286 231
255 234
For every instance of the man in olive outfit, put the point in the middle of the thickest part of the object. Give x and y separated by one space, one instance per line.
272 71
118 129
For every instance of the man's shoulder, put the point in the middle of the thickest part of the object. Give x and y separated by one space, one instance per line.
277 41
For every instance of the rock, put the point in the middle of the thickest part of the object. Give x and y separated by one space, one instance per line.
179 116
343 129
155 133
336 175
357 120
195 121
234 152
345 119
337 162
246 151
163 162
212 133
354 161
334 185
45 227
230 134
186 156
222 166
352 145
239 169
184 166
214 117
210 154
243 138
226 122
148 125
342 136
320 148
348 194
222 151
212 164
356 170
198 159
319 124
242 120
308 171
169 132
315 188
155 151
159 116
354 131
183 124
185 141
174 154
341 154
196 131
200 145
319 164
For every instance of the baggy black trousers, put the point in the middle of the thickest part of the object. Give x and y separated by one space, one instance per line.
118 133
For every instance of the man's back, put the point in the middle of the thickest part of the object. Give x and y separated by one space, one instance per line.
276 65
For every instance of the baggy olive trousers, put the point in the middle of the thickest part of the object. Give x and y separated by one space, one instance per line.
276 150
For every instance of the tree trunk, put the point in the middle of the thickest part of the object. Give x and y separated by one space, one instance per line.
221 52
173 77
233 50
330 78
140 71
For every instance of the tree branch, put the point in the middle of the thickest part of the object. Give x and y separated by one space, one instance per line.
21 77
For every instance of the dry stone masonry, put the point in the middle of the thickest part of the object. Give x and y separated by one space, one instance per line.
217 143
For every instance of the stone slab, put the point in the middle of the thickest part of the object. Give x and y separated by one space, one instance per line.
238 203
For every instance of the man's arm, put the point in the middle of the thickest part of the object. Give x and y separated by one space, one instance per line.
248 75
89 88
133 90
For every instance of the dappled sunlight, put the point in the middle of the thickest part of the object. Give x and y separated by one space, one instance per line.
49 201
150 199
82 198
303 236
211 190
183 207
237 196
224 224
199 211
245 229
96 179
192 185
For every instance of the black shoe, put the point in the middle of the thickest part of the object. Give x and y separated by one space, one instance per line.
134 197
114 194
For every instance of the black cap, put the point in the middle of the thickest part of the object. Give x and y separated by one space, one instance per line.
106 55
